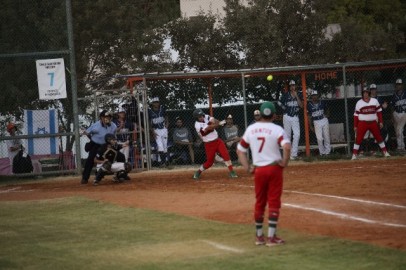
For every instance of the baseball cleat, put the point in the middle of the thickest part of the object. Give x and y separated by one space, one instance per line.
260 240
83 182
196 175
96 183
293 158
232 174
274 241
354 157
386 154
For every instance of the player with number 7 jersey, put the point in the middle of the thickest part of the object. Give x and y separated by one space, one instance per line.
264 139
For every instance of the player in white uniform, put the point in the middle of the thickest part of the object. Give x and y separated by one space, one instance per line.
318 112
399 114
264 139
291 104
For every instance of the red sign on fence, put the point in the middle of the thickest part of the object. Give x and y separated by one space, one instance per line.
325 75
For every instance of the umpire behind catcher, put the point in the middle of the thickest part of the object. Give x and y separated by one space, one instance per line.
96 133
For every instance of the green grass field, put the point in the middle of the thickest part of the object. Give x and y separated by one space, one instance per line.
77 233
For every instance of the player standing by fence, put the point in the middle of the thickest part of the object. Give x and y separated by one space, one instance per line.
318 112
264 139
291 104
399 114
159 124
368 116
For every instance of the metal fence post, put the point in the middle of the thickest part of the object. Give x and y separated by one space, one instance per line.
347 124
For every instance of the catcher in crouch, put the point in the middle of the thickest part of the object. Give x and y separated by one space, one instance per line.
110 160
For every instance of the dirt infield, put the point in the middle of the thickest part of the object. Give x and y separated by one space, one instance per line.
363 200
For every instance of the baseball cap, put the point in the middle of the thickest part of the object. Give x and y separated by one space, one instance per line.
292 82
314 93
105 113
399 81
155 99
257 112
372 86
267 108
230 116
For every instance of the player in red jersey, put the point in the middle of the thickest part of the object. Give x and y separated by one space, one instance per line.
368 116
264 139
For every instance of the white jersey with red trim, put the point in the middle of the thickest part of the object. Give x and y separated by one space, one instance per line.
264 139
200 129
367 111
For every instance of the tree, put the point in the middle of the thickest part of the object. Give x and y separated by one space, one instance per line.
201 44
275 33
111 38
370 30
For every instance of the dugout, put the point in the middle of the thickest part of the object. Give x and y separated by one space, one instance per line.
238 92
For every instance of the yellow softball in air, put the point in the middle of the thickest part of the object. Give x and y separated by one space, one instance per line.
269 78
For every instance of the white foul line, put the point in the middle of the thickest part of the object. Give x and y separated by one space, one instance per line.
324 195
9 190
346 198
222 247
344 216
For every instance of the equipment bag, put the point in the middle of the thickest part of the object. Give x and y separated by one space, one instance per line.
22 163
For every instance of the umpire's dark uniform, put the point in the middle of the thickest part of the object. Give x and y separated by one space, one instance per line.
97 131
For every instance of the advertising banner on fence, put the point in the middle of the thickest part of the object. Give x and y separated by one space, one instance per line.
51 79
41 122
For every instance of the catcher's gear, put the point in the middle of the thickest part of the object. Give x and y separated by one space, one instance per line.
121 175
127 167
100 174
197 113
106 166
111 155
108 138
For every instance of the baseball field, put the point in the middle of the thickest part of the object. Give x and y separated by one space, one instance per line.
335 215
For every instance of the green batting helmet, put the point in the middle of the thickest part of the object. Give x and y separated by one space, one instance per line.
267 109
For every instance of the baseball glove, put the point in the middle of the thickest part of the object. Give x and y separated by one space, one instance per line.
106 166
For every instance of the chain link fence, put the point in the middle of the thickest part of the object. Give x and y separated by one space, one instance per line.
234 96
46 129
231 95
